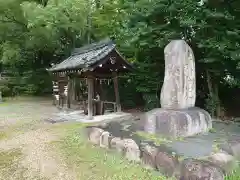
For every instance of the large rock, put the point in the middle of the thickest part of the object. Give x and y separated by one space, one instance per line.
232 146
167 163
131 150
104 139
192 169
94 135
226 161
179 87
117 144
161 158
176 123
149 154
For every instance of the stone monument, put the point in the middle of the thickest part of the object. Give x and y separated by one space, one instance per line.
177 116
179 87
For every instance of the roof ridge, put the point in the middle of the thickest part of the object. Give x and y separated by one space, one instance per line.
92 47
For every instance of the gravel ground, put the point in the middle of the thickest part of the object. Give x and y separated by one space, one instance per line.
23 121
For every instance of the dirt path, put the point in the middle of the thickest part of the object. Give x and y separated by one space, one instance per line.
37 161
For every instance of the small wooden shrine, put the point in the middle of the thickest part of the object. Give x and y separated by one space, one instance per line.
92 64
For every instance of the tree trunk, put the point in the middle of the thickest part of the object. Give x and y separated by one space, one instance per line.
217 99
89 23
214 95
1 99
210 88
98 4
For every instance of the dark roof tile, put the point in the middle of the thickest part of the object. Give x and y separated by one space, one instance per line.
86 56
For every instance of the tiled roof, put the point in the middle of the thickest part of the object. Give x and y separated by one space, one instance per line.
86 56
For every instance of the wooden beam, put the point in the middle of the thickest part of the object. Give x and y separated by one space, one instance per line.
90 81
115 81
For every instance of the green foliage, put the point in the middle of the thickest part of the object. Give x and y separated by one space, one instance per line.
36 33
129 96
145 27
234 176
211 104
10 52
151 101
5 90
158 140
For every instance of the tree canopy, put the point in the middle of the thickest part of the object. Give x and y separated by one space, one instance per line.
36 33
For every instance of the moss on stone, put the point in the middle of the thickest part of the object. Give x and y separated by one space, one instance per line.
156 139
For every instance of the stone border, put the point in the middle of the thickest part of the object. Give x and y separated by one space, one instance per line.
162 159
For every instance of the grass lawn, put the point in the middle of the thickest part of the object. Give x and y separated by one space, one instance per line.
8 161
234 176
96 163
9 166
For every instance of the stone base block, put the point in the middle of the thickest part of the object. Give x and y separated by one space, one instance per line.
227 162
94 135
232 147
116 143
199 170
176 123
149 154
131 150
104 139
167 163
161 158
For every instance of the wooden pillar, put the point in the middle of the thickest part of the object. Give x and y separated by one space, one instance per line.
115 81
98 94
69 92
90 97
55 92
73 90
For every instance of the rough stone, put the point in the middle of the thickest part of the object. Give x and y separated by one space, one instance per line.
104 139
167 163
149 154
94 135
224 160
177 123
200 170
131 150
179 87
117 144
232 147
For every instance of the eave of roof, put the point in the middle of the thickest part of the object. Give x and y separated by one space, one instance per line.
92 47
87 56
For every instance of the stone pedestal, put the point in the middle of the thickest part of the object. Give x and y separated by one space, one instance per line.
176 123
